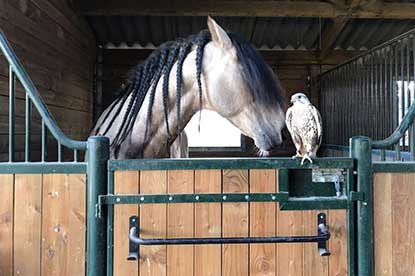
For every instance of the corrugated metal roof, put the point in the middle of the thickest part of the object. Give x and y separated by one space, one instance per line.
263 32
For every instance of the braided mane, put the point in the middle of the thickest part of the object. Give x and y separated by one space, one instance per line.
144 79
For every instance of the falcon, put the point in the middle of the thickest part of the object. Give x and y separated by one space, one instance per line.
304 124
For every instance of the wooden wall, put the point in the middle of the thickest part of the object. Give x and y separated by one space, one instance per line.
42 225
57 49
226 220
292 67
394 224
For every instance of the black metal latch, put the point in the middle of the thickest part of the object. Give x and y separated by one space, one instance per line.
323 235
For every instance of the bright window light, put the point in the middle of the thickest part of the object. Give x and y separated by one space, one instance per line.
215 131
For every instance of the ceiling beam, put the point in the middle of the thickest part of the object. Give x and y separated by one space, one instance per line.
331 34
248 8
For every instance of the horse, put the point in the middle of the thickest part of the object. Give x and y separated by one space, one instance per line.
214 70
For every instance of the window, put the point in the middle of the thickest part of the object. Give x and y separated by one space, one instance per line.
215 132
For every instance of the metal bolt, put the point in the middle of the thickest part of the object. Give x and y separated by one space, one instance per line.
142 198
118 199
247 197
224 197
274 197
170 198
197 197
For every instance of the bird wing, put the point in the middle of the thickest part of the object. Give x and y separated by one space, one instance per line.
294 135
319 124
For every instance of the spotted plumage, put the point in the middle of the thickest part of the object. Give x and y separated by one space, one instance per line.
304 124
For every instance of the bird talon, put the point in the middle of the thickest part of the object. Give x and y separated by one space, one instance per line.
306 157
296 156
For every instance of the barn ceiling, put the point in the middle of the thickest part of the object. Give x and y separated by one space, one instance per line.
266 33
269 25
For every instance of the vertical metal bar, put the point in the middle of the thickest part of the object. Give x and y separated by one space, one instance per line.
402 90
396 102
12 83
412 129
98 155
351 226
27 128
408 92
59 151
44 141
382 155
75 155
110 227
361 151
372 97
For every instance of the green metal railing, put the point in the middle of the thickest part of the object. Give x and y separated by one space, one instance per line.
32 97
95 167
370 95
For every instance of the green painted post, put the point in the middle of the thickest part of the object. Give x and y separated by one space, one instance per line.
361 150
96 255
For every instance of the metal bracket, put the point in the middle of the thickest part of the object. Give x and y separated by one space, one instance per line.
323 235
133 247
357 196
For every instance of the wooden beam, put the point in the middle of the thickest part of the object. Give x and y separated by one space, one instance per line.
330 36
247 8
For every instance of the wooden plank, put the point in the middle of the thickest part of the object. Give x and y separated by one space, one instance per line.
126 182
27 224
290 259
180 224
382 200
235 223
403 221
208 260
247 8
337 223
153 223
314 264
6 224
63 224
262 222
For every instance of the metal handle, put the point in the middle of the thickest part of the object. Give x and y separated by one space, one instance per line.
323 235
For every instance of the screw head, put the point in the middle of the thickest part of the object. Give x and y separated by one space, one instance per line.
274 197
224 197
170 198
142 198
197 197
247 197
118 199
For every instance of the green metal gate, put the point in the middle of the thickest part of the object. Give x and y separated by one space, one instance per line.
295 193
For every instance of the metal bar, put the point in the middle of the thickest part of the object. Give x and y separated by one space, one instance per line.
402 92
110 227
98 155
133 247
75 155
28 115
323 235
59 152
42 168
228 163
192 198
408 92
394 167
12 83
35 97
412 129
361 151
44 141
351 229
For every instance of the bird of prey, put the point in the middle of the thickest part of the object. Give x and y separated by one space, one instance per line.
304 124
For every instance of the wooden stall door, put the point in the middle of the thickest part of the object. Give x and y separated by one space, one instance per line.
222 220
42 224
394 205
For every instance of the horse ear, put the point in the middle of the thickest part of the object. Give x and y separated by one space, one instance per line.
219 36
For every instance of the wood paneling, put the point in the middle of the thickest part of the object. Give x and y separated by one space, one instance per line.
57 49
6 224
394 224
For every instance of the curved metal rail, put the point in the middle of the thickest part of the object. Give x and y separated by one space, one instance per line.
16 70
